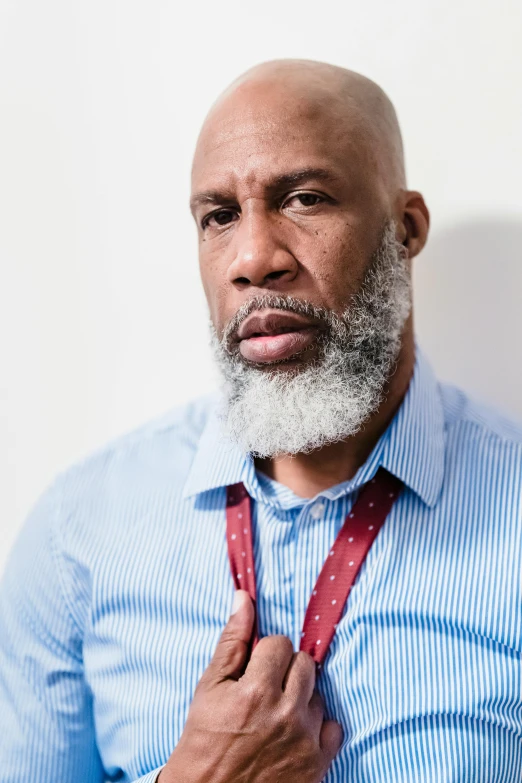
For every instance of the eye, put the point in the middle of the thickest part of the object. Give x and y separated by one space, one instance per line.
304 199
222 217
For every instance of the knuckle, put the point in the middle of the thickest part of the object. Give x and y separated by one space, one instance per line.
253 692
309 747
291 725
287 713
294 727
292 718
226 648
228 636
227 655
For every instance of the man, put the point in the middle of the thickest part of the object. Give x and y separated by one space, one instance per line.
388 504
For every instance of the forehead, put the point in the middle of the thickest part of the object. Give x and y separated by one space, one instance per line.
251 141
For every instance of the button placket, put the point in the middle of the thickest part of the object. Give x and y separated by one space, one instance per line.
302 582
276 563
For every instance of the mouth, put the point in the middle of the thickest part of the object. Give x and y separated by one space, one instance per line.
274 336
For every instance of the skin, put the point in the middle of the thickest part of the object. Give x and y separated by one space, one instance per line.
297 169
311 237
257 720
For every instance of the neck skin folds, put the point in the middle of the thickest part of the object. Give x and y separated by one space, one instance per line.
308 474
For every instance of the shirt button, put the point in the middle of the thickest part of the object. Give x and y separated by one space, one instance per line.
317 510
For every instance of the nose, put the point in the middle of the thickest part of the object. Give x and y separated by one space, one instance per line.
261 255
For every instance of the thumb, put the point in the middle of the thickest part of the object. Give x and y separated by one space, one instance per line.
230 657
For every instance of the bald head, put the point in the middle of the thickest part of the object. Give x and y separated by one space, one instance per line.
349 104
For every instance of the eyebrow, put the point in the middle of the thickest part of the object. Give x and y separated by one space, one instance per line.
291 179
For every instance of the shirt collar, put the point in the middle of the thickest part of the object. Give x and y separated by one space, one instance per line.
412 447
218 461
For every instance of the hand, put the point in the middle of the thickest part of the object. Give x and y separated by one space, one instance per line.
259 724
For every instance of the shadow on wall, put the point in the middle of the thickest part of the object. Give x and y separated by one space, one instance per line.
468 308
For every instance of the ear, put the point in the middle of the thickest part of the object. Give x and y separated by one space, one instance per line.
414 222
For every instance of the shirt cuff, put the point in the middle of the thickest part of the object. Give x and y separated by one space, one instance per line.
150 777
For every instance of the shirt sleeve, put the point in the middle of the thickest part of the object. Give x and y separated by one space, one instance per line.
46 722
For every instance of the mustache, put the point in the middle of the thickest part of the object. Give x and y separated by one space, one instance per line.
326 318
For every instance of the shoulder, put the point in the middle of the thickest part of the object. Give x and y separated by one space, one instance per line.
464 410
481 435
154 456
111 498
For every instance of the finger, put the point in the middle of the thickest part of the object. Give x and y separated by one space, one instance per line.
316 708
270 660
330 739
230 656
299 681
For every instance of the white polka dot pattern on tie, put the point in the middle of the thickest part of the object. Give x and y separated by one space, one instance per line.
239 542
352 543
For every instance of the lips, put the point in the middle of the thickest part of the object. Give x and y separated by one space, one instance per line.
273 336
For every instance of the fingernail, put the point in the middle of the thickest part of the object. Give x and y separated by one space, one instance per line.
239 599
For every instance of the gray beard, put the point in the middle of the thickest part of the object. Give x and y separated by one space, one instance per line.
277 411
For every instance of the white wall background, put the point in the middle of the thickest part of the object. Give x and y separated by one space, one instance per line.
102 322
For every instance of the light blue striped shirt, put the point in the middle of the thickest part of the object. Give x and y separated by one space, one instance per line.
118 588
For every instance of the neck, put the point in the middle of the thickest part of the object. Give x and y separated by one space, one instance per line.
308 474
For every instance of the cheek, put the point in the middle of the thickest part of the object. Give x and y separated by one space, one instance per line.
215 288
336 260
211 269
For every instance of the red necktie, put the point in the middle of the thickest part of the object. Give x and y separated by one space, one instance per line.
341 567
